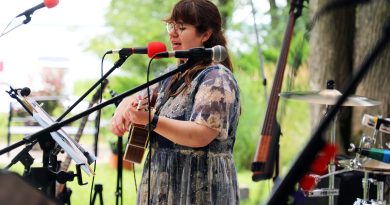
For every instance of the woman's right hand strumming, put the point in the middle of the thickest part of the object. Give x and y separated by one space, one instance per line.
119 124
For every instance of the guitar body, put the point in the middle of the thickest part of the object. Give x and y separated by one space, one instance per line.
138 140
136 147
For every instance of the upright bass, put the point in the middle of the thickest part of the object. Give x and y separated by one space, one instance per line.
265 163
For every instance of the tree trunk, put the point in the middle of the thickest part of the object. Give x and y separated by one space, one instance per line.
330 58
370 21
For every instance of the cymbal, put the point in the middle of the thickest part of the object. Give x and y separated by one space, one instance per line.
329 97
369 165
372 164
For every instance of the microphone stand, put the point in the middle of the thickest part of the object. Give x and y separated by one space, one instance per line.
25 21
45 132
30 138
57 125
119 167
47 143
118 192
117 64
317 140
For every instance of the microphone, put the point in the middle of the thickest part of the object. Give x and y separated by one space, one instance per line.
23 91
151 49
217 53
46 3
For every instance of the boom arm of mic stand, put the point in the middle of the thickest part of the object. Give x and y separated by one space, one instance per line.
25 21
31 138
316 142
122 59
57 125
113 100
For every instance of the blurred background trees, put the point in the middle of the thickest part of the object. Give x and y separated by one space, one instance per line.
332 49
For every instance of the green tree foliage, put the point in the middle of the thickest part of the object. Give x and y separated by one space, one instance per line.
134 24
252 113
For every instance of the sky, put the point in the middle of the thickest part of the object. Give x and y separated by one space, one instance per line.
55 37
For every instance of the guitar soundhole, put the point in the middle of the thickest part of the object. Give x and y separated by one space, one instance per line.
138 136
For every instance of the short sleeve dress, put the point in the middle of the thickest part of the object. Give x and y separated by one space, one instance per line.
206 175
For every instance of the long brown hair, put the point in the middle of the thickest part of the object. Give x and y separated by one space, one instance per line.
204 15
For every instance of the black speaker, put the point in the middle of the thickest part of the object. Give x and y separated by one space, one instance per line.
15 191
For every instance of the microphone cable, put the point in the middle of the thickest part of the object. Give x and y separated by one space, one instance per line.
97 126
149 158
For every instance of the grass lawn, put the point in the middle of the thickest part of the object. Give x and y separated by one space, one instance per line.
107 176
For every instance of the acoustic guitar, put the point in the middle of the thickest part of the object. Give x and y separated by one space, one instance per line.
138 140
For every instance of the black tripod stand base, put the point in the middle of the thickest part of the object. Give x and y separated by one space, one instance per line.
98 191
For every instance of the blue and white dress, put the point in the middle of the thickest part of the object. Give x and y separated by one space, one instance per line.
207 175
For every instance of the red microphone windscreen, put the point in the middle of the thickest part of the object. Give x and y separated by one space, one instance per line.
50 3
156 47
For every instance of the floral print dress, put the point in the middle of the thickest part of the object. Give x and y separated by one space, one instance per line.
207 175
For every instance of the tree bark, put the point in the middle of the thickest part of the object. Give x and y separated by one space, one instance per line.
330 58
370 21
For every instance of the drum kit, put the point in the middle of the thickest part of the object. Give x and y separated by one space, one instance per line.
375 171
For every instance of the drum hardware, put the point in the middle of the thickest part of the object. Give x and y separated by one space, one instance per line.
331 191
332 165
379 124
374 156
362 202
371 147
366 181
365 142
323 192
329 97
